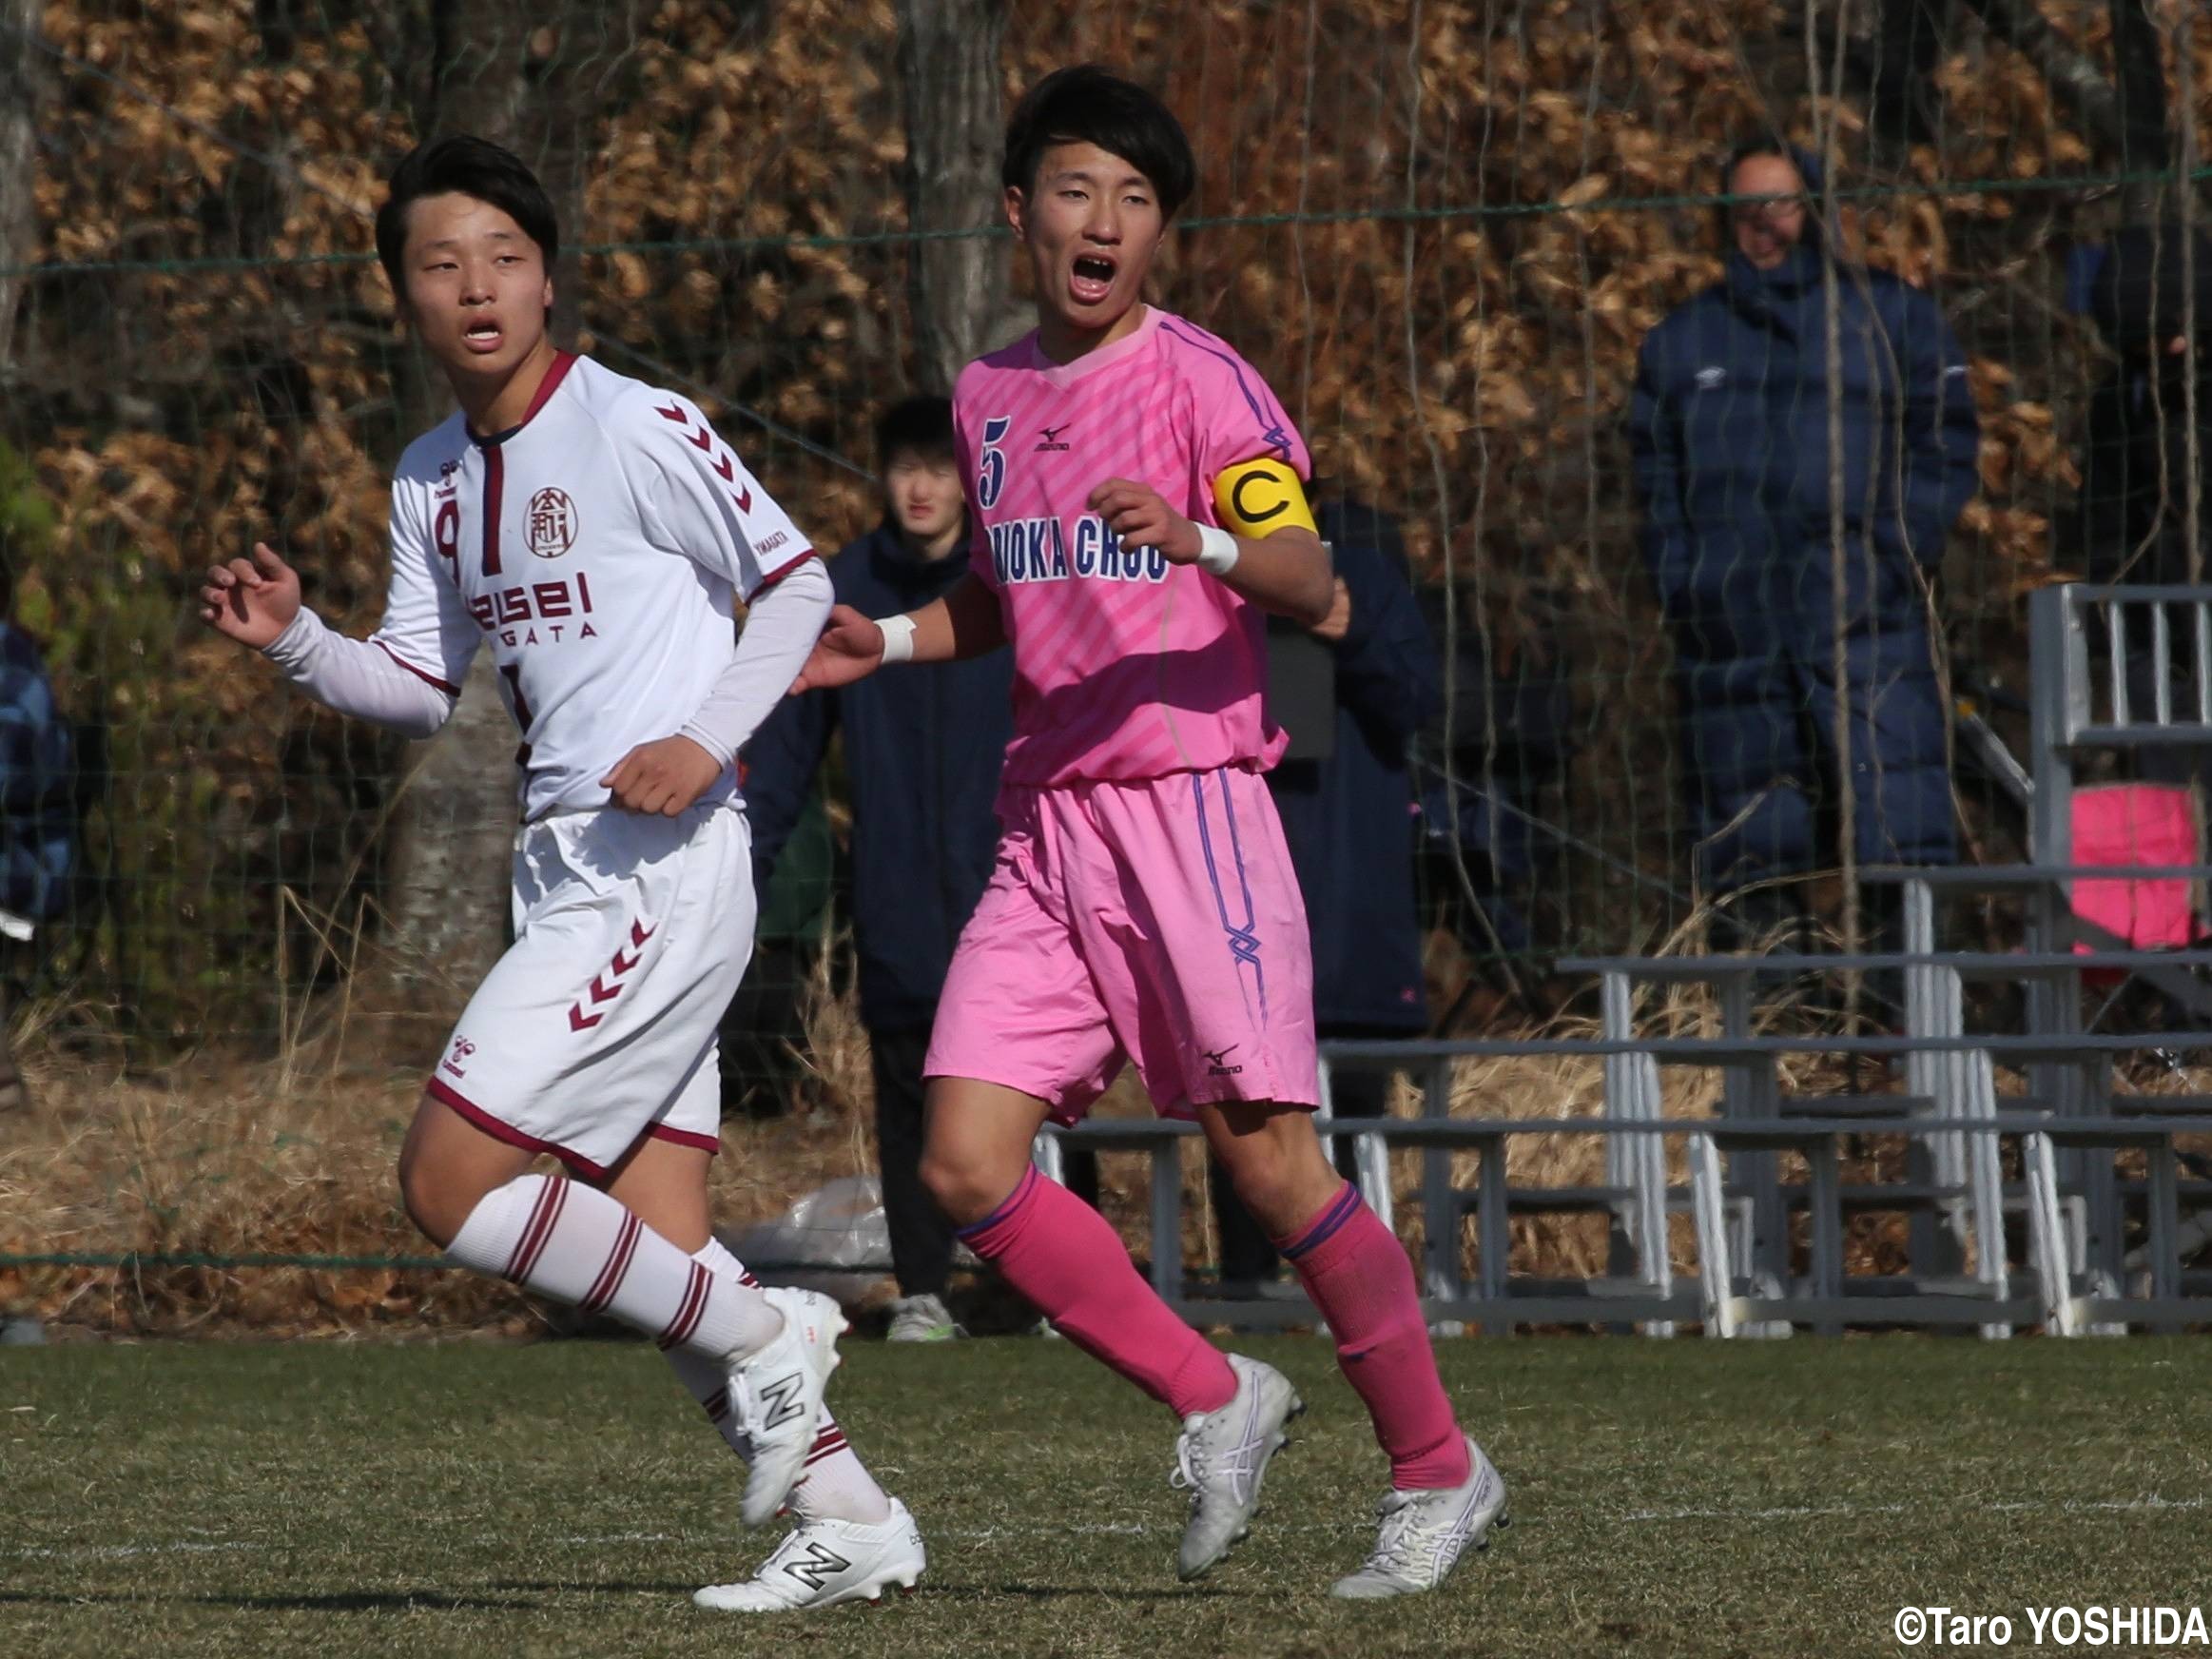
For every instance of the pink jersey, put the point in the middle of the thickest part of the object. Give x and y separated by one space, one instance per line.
1125 666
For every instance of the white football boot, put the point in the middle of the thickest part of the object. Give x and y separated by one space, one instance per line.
1423 1533
922 1319
1221 1456
775 1399
825 1562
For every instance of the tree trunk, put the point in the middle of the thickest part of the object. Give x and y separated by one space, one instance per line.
2076 82
496 72
22 81
2144 145
1907 46
948 71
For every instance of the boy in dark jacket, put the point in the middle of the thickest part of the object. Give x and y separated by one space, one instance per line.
921 756
1347 807
2139 450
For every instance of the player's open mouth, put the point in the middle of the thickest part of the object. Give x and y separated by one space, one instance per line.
482 336
1092 278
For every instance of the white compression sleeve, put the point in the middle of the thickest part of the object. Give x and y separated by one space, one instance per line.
780 629
358 677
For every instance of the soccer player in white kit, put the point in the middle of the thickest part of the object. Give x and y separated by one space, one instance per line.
593 532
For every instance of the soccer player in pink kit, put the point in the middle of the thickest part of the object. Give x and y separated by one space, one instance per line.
592 533
1136 490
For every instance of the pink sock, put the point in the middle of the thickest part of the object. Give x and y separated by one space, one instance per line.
1059 1253
1358 1276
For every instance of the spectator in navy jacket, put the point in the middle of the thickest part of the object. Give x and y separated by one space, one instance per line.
38 813
1347 818
922 757
1730 430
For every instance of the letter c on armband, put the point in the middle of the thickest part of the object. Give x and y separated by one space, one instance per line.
1258 498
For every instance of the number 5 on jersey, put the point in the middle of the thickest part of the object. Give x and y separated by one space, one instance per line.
991 470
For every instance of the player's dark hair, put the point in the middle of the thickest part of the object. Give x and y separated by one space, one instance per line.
923 424
1091 105
465 166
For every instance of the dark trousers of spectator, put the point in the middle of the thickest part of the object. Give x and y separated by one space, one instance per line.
1247 1253
920 1236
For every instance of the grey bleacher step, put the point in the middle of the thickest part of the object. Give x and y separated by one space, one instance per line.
1562 1200
2160 1106
1854 1105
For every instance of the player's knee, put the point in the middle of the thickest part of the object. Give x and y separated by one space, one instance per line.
961 1190
419 1196
431 1198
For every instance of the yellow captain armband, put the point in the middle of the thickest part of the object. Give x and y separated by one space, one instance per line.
1258 498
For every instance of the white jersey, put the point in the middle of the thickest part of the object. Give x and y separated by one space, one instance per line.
597 547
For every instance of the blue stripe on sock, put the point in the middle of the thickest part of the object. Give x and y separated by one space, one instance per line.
1346 1205
1012 1202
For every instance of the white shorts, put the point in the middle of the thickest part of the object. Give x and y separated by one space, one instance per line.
597 1028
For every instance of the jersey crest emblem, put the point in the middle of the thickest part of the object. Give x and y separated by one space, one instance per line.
550 526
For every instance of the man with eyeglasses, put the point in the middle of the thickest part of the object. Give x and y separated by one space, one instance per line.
1783 504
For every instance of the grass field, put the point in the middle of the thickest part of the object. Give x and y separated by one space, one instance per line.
565 1498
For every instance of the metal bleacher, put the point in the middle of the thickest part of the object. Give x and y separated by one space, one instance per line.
2017 1196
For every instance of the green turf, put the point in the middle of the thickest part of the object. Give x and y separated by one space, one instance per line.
1778 1498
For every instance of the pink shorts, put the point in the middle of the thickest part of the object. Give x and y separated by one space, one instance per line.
1156 921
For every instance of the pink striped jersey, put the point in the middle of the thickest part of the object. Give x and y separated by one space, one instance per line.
1125 666
595 549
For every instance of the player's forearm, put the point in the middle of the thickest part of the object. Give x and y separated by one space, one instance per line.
780 629
966 622
359 678
1287 572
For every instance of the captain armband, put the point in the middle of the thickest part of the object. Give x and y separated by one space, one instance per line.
1258 498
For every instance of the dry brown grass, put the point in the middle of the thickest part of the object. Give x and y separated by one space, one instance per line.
295 1157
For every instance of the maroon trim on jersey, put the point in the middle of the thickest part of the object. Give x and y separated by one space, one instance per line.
431 680
495 481
707 1143
439 1090
780 572
563 362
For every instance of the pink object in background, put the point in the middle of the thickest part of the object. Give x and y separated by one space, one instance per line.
2137 824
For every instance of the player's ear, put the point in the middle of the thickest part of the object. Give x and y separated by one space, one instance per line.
1018 212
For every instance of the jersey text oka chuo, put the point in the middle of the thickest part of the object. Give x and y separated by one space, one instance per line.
1035 550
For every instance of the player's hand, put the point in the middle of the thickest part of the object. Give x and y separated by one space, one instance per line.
1333 626
663 776
252 601
851 648
1140 516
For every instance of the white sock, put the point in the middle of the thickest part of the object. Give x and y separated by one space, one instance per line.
565 1240
835 1485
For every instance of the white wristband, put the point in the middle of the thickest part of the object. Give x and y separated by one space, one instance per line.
1216 550
898 637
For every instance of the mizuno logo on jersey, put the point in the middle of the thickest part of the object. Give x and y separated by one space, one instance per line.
1037 550
816 1567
